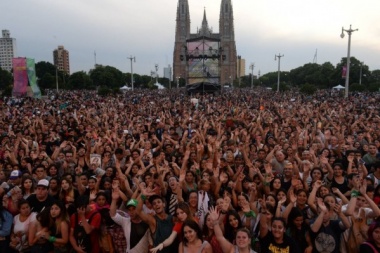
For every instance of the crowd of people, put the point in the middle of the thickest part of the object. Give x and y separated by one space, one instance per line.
250 170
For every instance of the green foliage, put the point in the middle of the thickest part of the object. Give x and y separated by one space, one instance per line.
308 89
107 76
80 80
7 92
357 87
374 87
104 91
6 79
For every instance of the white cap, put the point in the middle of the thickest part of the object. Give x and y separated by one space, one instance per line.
43 182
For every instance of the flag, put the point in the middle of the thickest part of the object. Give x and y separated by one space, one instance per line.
32 78
344 72
20 77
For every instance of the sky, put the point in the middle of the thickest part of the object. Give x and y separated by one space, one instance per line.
119 29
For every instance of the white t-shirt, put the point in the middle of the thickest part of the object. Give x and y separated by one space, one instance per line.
23 227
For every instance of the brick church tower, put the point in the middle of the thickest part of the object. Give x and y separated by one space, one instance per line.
182 33
226 38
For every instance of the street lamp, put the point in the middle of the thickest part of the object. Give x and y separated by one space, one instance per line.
56 77
360 77
177 82
156 67
134 59
278 74
252 66
349 32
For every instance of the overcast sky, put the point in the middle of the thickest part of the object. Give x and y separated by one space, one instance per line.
118 29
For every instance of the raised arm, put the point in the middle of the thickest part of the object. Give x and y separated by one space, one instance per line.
224 243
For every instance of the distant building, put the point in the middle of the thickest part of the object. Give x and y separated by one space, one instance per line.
7 50
240 66
168 72
213 57
61 59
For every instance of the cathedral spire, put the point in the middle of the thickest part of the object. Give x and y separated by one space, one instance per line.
205 30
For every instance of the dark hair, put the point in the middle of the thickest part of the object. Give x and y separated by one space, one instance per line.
184 207
194 226
372 228
82 201
24 178
280 219
229 230
21 202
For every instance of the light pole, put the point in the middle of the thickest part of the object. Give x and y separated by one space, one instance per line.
170 77
360 77
177 82
134 59
156 67
278 72
56 77
252 66
349 32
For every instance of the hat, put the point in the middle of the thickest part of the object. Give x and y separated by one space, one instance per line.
15 174
43 182
132 202
158 120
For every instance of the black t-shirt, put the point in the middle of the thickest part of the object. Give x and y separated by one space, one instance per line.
38 206
268 245
138 231
327 239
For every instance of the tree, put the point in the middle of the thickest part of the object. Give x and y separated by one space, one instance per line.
80 80
308 89
107 76
5 79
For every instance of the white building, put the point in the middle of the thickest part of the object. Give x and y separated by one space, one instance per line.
7 50
168 72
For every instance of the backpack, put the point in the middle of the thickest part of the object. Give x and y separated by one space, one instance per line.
82 238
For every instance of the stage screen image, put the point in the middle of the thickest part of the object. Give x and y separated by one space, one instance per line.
203 61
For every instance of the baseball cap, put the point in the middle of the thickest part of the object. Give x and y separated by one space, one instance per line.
43 182
132 202
15 174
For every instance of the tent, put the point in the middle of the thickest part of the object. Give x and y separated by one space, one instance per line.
159 86
338 87
125 88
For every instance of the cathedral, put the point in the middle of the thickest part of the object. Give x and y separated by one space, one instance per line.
205 56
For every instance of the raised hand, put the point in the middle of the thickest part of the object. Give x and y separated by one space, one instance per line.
214 214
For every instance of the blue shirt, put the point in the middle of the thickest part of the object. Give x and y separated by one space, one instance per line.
6 224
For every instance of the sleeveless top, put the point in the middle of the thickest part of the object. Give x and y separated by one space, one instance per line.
164 229
204 243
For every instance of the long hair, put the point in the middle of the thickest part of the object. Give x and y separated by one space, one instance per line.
229 230
372 228
185 208
24 178
69 192
63 216
194 226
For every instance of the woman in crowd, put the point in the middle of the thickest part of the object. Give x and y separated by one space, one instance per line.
209 234
68 195
27 186
192 241
21 223
39 233
232 225
59 229
372 245
243 236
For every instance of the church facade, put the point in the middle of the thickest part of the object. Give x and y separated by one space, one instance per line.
205 56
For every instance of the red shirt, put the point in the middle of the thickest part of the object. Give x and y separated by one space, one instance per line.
95 222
